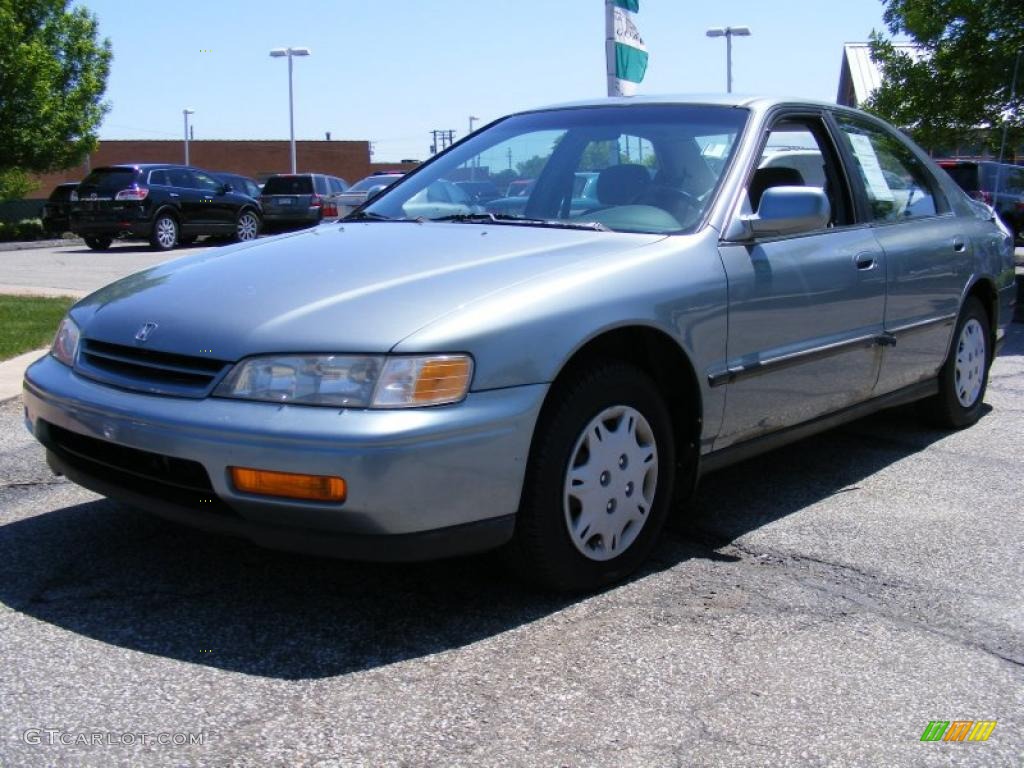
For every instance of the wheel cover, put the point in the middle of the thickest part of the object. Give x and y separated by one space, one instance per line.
970 363
610 483
165 232
247 227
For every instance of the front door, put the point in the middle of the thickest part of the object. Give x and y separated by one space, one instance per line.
805 310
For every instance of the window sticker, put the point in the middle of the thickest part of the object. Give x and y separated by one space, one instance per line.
873 176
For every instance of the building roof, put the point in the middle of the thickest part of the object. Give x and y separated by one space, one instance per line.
859 76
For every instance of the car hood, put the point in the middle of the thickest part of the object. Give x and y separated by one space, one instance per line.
354 287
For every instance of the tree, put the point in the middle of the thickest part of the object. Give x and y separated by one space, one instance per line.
961 80
53 73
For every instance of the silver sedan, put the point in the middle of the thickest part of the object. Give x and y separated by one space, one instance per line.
411 383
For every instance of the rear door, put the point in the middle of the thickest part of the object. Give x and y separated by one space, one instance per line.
927 253
805 310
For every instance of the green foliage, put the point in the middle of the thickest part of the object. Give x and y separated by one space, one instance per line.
26 229
963 81
530 169
15 184
53 73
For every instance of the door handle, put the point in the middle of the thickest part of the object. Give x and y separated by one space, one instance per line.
959 245
864 261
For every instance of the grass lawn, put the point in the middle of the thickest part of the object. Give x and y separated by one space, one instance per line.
29 322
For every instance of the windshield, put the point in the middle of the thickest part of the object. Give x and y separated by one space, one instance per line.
639 168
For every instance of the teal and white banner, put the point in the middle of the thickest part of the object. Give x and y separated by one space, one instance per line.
625 49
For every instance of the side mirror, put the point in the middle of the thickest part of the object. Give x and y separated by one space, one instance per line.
372 192
227 188
786 211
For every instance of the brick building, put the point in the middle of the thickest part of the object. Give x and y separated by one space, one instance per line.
348 159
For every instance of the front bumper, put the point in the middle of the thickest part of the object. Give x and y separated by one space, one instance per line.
422 483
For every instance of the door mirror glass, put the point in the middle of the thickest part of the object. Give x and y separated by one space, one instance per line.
789 210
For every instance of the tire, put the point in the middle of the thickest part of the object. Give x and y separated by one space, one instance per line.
165 233
247 227
98 242
575 540
963 378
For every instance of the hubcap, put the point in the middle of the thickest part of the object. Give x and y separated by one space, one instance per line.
970 363
610 483
165 233
247 227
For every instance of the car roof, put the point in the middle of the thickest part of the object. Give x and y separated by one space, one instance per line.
696 99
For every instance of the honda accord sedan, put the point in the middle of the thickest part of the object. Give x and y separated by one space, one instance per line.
416 382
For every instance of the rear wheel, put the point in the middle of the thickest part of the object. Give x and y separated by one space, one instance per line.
964 376
598 483
98 242
247 227
165 232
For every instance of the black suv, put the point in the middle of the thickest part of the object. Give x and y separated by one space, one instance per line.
57 209
165 204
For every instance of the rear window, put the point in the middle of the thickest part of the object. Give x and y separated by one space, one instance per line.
288 185
110 179
372 181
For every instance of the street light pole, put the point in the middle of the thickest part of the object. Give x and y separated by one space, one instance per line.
290 52
185 113
727 33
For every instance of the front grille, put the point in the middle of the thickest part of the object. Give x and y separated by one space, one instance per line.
145 370
179 481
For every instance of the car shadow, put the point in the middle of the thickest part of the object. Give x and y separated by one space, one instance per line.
135 581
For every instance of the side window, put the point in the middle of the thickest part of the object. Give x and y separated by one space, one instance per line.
320 184
159 178
336 186
896 184
799 153
179 177
205 182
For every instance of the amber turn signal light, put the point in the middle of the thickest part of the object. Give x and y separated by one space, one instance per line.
288 484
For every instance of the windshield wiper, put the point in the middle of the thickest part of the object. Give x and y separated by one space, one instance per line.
367 216
507 218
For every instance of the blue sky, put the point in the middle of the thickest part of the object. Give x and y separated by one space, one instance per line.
391 70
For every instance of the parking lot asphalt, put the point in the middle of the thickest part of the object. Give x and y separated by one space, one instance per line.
75 270
823 605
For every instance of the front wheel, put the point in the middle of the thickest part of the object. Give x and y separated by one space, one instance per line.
964 376
247 227
165 233
598 483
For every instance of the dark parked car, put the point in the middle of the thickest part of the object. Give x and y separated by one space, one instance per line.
979 179
57 210
301 199
165 204
241 184
366 188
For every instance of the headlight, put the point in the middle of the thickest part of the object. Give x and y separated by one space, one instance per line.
65 343
348 381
